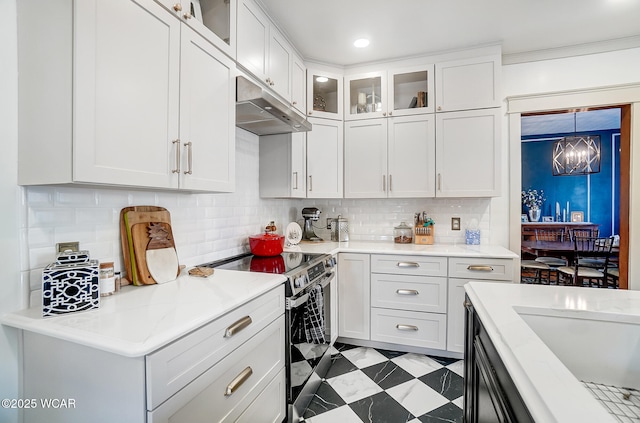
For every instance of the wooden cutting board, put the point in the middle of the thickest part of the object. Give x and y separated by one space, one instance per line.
162 259
140 242
130 216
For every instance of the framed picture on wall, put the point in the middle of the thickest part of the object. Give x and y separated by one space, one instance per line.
547 218
523 218
577 216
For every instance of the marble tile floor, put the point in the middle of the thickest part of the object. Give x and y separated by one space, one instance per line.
380 386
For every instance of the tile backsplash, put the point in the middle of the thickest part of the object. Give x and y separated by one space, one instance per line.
207 226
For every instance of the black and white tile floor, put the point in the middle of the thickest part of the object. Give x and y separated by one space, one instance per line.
375 386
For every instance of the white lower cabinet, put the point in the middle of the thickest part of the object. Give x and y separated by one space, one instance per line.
353 292
231 369
428 330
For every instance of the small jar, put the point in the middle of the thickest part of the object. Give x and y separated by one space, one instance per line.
403 234
107 279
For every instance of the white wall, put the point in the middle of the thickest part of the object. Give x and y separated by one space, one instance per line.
10 194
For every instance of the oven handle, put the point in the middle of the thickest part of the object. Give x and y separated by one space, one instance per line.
303 299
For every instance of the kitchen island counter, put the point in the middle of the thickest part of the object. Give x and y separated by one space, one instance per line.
543 334
142 319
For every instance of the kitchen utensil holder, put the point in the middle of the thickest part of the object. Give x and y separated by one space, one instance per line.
424 235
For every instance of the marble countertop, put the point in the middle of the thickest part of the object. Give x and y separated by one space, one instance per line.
552 393
140 319
388 247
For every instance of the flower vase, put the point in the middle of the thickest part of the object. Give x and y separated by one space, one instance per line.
534 215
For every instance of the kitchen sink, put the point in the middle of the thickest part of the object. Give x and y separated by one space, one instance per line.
595 347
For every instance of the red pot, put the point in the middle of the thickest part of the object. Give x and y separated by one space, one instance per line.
267 244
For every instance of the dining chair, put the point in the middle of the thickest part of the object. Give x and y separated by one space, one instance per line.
532 271
584 233
552 235
592 248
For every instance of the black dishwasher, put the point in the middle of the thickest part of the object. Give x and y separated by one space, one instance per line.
490 395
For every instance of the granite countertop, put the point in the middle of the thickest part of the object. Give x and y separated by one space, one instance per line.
388 247
550 390
140 319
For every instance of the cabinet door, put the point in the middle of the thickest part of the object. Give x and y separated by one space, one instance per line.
455 315
366 96
213 19
253 38
298 165
207 116
467 153
324 159
279 67
412 158
468 84
324 94
365 159
298 84
411 91
126 76
354 293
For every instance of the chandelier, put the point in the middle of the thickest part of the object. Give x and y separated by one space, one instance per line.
576 155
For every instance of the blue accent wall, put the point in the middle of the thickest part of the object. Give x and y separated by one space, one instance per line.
596 190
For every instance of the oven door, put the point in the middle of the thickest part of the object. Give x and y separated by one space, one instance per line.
308 343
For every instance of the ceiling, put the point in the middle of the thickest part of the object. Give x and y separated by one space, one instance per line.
324 31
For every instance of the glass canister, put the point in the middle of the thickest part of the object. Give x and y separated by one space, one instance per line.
403 234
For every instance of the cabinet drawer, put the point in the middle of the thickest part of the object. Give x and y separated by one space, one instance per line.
270 405
210 397
174 366
481 268
409 328
406 292
409 265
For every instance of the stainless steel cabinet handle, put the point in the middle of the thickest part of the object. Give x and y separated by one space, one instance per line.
407 264
390 180
295 180
439 182
384 183
177 144
189 158
390 113
407 327
237 326
407 292
384 113
238 381
480 268
310 183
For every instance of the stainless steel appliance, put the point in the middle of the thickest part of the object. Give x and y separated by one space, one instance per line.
310 214
339 229
308 277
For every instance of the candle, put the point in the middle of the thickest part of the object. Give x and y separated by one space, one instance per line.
557 211
568 209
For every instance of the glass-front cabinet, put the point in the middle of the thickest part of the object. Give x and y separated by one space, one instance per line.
398 92
366 96
213 19
324 94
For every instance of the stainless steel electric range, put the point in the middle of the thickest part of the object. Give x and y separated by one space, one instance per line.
310 296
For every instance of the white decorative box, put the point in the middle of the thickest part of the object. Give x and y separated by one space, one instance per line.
70 284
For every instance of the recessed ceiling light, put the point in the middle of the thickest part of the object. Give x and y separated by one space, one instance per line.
361 42
322 79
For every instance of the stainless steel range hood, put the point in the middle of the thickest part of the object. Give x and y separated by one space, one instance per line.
260 112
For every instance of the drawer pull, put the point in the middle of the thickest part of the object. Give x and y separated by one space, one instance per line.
238 381
408 264
407 327
407 292
480 268
237 326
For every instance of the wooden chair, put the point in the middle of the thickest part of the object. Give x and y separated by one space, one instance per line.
532 271
583 233
554 235
596 249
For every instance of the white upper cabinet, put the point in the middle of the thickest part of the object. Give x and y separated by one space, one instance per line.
324 94
283 165
397 92
207 116
215 20
467 153
262 49
94 110
324 159
298 84
468 84
392 158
